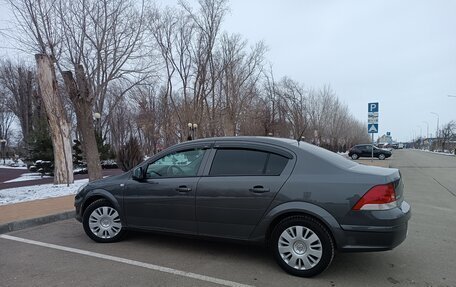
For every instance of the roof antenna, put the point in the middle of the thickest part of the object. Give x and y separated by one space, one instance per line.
300 137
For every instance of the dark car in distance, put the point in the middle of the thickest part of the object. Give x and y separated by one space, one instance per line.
303 201
365 150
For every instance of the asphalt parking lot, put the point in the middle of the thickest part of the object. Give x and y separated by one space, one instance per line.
60 254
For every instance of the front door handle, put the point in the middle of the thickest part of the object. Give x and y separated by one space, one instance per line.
259 189
183 188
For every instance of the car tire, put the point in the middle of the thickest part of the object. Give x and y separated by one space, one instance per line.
302 246
381 156
101 222
354 156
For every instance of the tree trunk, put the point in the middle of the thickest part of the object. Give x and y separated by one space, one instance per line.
57 119
83 103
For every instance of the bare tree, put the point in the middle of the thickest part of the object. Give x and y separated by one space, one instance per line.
293 98
148 119
207 23
17 82
240 76
165 32
100 41
6 118
121 124
447 133
57 118
37 20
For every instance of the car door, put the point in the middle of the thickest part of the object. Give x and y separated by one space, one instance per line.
377 151
367 150
165 198
239 185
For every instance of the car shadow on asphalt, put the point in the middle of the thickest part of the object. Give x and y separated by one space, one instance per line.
259 255
202 245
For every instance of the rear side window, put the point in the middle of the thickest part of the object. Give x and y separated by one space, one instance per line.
276 164
229 162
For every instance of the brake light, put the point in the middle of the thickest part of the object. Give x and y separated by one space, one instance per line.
379 197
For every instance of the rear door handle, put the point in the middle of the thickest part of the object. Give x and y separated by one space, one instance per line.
259 189
183 188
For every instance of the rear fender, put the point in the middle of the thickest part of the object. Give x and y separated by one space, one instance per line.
268 222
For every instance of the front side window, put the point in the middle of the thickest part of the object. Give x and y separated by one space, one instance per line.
231 162
368 148
179 164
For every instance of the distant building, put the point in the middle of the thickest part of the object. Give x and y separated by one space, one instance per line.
385 139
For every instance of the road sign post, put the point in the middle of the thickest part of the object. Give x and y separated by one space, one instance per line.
372 123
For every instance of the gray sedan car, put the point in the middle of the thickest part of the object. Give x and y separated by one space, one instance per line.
305 202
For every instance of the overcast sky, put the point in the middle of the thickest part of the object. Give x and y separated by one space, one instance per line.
401 54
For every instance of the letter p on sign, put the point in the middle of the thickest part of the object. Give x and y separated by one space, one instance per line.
373 107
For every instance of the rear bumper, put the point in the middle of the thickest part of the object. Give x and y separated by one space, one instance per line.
364 241
362 238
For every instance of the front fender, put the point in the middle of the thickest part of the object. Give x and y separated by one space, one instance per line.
294 208
101 193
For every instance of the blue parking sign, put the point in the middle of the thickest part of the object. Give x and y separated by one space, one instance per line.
372 108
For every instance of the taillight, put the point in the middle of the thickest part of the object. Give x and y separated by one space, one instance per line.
379 197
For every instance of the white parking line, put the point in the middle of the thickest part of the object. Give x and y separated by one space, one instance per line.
128 261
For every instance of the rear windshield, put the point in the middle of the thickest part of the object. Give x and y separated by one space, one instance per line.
326 155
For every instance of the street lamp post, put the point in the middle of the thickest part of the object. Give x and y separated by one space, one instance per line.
427 129
192 128
437 132
427 132
3 146
421 130
420 142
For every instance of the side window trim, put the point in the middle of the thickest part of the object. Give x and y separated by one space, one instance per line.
254 146
265 167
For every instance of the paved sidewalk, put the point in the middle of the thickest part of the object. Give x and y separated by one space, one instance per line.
33 213
36 208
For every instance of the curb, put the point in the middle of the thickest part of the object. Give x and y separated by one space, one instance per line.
27 223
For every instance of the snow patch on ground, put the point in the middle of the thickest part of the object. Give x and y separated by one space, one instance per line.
28 176
437 152
9 163
12 167
28 193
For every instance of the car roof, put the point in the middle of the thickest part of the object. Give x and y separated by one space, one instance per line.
290 144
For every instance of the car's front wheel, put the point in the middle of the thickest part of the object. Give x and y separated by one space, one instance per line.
381 156
101 221
354 156
302 246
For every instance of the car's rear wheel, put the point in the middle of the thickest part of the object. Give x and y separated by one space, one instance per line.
381 156
354 156
302 246
101 221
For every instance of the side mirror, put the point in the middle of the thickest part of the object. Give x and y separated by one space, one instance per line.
138 173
